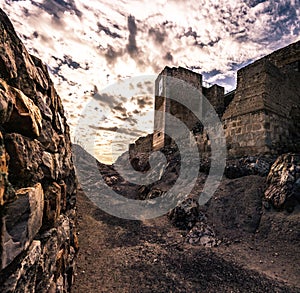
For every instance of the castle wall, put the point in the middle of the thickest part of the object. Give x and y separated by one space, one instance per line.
193 78
246 135
249 92
261 118
159 120
215 95
286 58
159 123
171 83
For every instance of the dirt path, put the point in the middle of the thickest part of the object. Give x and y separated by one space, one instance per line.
132 256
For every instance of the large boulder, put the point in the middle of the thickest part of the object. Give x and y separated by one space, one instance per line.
283 181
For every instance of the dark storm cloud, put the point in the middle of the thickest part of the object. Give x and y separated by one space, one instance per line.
67 60
158 35
111 55
71 63
139 53
131 47
194 67
144 88
190 33
121 113
107 31
104 128
149 86
107 99
132 132
213 42
193 34
284 18
129 120
140 85
142 102
168 56
121 109
57 7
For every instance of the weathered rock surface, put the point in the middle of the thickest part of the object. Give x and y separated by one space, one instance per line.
37 179
185 215
248 166
202 234
21 222
284 182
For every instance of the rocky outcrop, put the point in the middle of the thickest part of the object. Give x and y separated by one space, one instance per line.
37 178
247 166
284 182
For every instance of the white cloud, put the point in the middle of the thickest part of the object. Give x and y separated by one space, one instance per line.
209 35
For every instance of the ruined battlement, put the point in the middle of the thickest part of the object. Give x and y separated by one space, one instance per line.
215 95
286 58
261 116
189 76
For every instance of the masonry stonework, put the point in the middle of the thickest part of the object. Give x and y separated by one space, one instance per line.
260 117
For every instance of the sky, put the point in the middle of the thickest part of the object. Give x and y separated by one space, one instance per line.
92 47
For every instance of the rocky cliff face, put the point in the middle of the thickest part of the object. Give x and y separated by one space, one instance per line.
37 179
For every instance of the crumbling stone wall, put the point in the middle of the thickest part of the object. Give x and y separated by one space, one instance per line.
215 95
37 179
189 76
262 119
166 88
286 58
141 145
168 85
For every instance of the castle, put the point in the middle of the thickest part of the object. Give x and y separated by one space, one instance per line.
260 117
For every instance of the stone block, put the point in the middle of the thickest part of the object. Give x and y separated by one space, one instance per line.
21 222
6 103
52 204
27 159
256 126
24 278
48 165
3 170
19 113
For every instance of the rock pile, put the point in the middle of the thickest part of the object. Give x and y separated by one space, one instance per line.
202 234
283 181
248 166
37 178
185 215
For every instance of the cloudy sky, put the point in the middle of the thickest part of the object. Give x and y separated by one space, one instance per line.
90 45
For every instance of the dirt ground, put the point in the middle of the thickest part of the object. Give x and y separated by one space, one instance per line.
258 251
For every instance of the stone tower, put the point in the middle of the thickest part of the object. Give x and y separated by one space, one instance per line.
177 92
